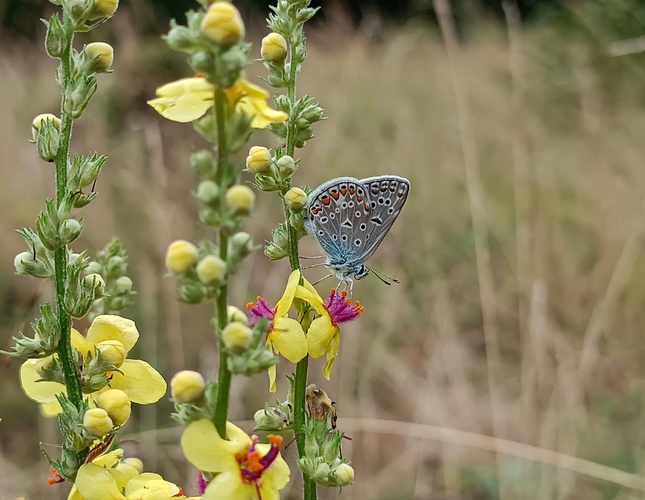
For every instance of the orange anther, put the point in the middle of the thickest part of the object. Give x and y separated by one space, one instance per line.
275 440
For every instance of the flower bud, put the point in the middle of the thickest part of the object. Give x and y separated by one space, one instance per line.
97 422
37 123
344 474
274 252
235 314
123 285
55 37
237 336
187 386
100 56
203 162
259 160
241 244
274 48
322 472
180 256
93 268
240 199
295 199
134 462
208 192
286 166
223 24
98 284
102 9
69 230
192 292
25 264
117 405
211 269
112 352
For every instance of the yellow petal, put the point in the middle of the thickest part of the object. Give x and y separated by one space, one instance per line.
319 336
283 305
49 410
272 372
288 339
109 460
332 352
140 381
35 388
263 115
312 298
112 327
150 486
185 86
97 483
276 476
207 451
229 486
81 344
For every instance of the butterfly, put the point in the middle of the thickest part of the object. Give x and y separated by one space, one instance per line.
350 217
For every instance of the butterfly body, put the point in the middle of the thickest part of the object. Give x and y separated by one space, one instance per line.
350 217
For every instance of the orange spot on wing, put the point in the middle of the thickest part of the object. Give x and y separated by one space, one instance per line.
325 200
359 197
343 192
334 195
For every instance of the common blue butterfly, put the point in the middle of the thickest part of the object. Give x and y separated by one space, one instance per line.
350 217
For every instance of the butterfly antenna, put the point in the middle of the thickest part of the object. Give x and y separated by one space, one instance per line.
313 265
382 276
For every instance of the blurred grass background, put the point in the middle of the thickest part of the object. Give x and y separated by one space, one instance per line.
508 362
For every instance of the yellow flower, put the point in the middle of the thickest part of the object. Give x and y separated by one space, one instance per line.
140 381
246 470
285 335
274 47
109 477
189 99
323 336
223 24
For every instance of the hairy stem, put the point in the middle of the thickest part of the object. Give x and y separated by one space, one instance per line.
65 351
300 384
224 376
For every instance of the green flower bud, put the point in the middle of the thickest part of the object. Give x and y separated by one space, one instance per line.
123 285
286 166
208 192
322 473
202 62
79 97
191 292
241 244
344 475
203 162
187 386
55 37
274 252
180 38
45 131
69 230
25 264
97 283
235 314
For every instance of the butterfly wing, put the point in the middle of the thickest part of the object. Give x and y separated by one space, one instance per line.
336 216
387 195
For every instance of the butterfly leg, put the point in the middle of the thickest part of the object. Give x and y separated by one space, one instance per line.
323 279
313 265
314 257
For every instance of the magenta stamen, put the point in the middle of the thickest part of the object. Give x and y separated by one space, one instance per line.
259 310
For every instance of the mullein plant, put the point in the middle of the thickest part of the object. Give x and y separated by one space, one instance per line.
224 107
82 376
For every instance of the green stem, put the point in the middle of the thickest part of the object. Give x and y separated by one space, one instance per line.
65 351
224 377
300 383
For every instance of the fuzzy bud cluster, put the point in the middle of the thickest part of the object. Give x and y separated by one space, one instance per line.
116 292
321 460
